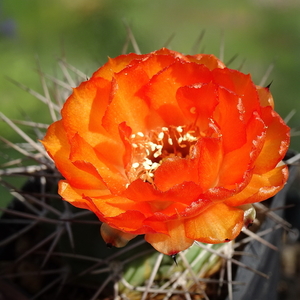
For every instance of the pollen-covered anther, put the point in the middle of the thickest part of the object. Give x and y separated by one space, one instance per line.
158 152
179 129
160 136
189 137
135 165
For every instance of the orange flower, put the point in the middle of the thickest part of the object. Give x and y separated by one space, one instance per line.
169 146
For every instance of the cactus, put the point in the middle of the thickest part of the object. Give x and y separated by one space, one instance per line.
50 250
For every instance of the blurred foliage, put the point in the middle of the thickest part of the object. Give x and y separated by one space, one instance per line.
260 32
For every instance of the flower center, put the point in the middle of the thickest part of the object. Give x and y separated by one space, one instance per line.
150 150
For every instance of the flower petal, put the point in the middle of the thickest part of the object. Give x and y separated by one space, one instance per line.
205 160
83 113
125 205
77 196
265 97
242 85
168 52
117 64
202 167
240 161
261 187
209 60
133 222
87 159
218 224
164 205
125 105
184 193
58 147
157 61
198 103
229 116
125 133
276 143
173 171
172 243
160 93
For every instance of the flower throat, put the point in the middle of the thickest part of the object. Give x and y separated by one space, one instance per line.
151 149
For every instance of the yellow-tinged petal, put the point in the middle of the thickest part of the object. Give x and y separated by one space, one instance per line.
172 243
209 60
265 97
261 187
218 224
240 161
276 142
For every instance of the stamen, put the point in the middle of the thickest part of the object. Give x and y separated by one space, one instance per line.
179 129
160 136
152 146
135 165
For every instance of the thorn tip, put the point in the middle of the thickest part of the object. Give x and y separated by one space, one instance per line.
268 86
174 258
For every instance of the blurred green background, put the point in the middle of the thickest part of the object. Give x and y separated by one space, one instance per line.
260 32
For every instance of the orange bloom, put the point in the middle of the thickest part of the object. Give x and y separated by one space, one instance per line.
169 146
